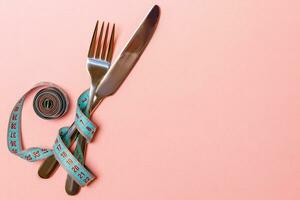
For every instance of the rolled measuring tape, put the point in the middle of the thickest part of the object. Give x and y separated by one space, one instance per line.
50 103
45 99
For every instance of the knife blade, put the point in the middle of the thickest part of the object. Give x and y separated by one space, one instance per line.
119 70
116 75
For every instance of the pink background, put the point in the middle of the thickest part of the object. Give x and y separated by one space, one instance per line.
211 111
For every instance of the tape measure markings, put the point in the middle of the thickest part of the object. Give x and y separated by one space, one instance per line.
63 141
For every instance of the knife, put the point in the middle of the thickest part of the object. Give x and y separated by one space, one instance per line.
118 72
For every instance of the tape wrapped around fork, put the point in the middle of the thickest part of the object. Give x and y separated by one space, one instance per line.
65 157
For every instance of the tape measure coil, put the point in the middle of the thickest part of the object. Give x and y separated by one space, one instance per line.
50 103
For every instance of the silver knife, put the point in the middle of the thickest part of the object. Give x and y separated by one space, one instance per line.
116 74
120 69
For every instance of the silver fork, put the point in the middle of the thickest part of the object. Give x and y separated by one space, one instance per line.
98 67
99 60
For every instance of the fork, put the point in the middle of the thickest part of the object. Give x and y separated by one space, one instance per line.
49 166
98 62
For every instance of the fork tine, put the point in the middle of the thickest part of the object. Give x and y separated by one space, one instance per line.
111 45
103 53
93 42
99 42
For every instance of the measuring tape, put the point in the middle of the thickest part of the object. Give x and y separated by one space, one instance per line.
63 141
50 103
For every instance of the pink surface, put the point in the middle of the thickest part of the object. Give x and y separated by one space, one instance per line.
211 111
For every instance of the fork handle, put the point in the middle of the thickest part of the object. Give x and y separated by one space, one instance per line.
71 187
49 166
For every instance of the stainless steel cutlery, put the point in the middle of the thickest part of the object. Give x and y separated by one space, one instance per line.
97 67
106 79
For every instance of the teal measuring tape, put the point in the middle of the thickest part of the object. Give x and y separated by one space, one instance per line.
63 141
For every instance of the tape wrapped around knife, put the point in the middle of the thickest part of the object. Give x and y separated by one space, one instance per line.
119 70
111 81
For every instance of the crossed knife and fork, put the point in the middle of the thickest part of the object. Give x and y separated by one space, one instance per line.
105 80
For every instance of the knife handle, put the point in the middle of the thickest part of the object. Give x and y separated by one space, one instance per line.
49 166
